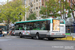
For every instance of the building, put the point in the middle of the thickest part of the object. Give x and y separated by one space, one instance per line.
34 7
36 4
43 2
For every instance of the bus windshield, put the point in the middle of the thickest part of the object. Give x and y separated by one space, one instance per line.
4 28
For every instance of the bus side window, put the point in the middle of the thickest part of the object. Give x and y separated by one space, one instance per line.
16 27
28 26
43 25
36 26
20 27
32 26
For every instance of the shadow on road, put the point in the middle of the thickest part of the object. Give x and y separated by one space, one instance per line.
0 49
45 39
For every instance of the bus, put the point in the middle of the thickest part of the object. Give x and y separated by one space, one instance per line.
44 28
3 26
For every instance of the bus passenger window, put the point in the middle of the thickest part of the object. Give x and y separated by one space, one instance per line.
19 27
43 25
36 26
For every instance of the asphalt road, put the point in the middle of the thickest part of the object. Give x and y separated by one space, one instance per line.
16 43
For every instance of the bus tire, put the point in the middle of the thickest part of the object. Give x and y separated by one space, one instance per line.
37 36
20 35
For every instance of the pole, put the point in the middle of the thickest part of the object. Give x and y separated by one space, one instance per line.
60 8
63 9
46 11
8 21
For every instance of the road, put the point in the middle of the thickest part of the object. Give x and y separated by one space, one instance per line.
16 43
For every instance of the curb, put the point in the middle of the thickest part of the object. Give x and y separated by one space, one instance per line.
66 38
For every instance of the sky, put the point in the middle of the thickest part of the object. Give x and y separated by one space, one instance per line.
3 1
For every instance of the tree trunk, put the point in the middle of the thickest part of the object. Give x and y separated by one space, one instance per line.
8 24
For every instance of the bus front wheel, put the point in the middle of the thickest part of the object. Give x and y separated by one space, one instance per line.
21 35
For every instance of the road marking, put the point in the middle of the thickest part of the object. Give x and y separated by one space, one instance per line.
63 47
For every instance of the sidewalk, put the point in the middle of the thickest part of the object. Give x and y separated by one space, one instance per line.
68 37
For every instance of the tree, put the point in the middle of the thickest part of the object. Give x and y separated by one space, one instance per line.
12 11
73 8
53 7
1 19
26 10
31 16
43 11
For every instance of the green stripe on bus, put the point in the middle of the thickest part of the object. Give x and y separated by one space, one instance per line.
68 34
37 20
51 21
32 21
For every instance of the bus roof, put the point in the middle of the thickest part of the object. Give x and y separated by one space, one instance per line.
2 24
33 21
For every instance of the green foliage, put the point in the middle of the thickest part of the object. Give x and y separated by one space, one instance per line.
12 11
31 16
53 7
43 10
27 9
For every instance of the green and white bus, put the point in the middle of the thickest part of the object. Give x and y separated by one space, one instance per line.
44 28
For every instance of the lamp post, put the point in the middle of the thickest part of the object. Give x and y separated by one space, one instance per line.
60 8
63 9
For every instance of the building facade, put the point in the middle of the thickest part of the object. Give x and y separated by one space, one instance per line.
34 7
